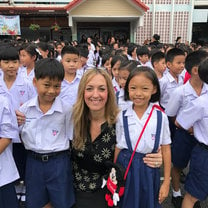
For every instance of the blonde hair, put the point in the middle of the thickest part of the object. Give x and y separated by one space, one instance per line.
80 113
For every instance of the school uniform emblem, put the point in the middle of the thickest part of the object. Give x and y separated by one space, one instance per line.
153 136
22 92
54 132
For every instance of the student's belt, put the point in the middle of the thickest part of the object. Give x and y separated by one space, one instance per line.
44 157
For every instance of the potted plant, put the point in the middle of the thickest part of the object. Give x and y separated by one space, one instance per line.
34 27
55 27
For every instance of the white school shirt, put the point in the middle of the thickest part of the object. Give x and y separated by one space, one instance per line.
181 97
115 85
23 73
8 129
20 92
123 104
196 115
69 91
49 132
135 125
167 86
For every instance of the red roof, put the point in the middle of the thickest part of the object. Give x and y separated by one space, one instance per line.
74 3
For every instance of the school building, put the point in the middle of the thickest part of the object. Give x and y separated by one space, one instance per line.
136 20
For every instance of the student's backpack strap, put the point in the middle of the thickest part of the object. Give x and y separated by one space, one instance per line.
126 131
158 131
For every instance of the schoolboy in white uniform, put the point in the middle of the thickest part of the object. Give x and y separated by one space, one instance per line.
69 86
175 61
196 116
46 135
8 170
183 141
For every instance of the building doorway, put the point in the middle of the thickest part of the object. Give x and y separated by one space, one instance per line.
103 31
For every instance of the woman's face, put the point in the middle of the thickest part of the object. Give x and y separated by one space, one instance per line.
96 93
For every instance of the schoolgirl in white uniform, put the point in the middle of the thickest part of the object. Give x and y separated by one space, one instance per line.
8 170
142 189
195 116
124 71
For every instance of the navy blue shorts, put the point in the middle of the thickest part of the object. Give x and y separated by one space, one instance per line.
197 179
49 181
8 198
181 148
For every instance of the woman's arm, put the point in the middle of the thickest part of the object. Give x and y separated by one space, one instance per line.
117 150
164 189
153 160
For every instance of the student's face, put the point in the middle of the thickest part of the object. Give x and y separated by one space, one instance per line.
44 54
140 91
59 48
9 67
96 94
115 70
123 75
177 65
107 65
47 89
70 63
144 58
26 59
160 65
83 60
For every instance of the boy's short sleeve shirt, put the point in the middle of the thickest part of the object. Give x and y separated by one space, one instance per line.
69 91
196 116
8 129
167 86
181 97
49 132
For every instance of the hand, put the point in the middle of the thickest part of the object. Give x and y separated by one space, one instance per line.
115 198
153 160
20 118
163 193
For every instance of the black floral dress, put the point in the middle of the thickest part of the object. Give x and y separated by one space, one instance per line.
89 162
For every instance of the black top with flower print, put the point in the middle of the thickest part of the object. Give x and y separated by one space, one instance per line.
89 162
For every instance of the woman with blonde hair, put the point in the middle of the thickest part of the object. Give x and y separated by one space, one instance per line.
94 117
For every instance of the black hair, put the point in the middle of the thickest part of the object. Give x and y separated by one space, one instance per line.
69 50
128 65
150 74
105 57
43 46
117 58
10 53
156 57
143 50
156 37
131 48
172 53
49 68
194 59
83 52
30 49
203 71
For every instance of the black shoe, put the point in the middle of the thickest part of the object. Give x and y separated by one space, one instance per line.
182 177
197 205
177 201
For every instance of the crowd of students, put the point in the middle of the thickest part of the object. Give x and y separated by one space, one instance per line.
79 106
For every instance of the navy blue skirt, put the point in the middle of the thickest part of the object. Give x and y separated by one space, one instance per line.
142 182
